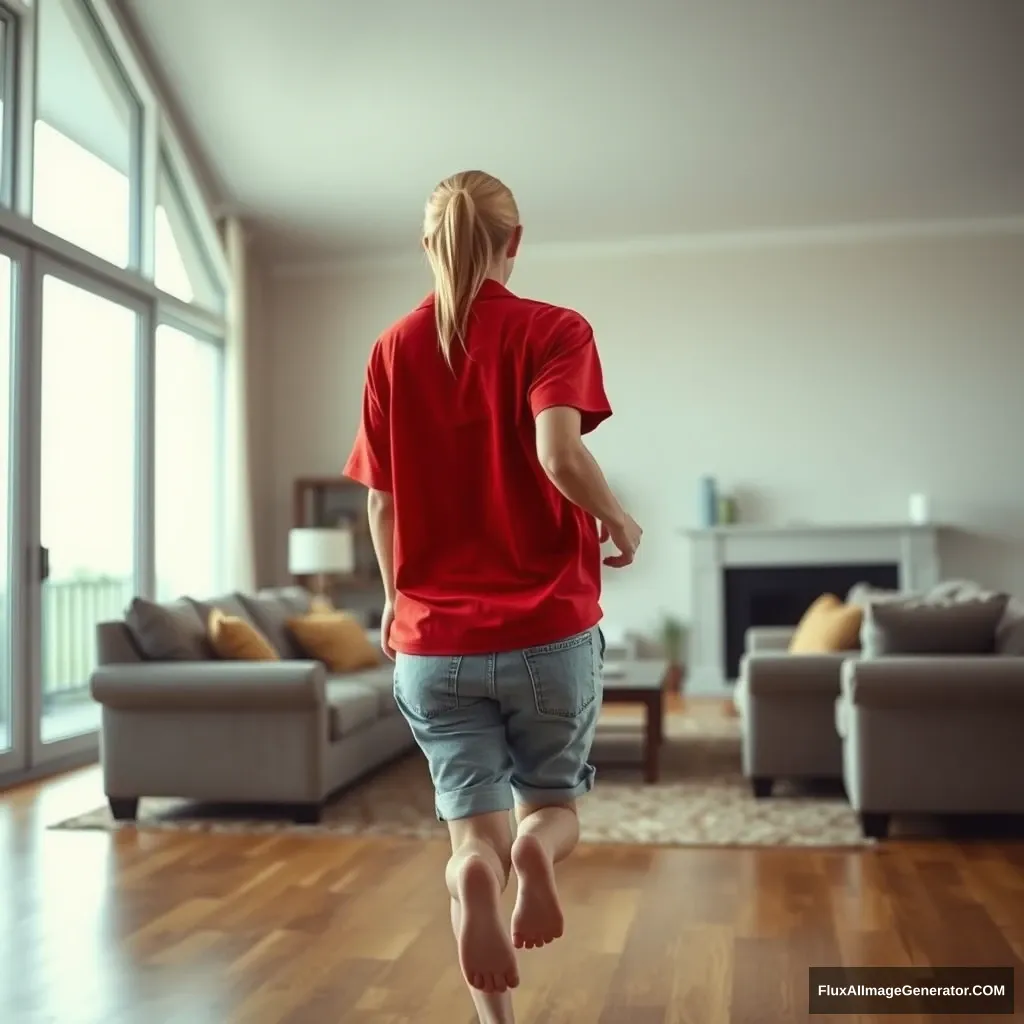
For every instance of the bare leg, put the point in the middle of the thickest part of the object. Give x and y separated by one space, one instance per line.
477 874
546 836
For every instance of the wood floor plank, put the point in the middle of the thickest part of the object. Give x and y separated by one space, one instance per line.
281 929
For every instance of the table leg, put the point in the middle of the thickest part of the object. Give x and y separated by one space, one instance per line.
653 738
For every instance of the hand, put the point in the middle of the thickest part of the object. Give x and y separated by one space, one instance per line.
626 539
387 618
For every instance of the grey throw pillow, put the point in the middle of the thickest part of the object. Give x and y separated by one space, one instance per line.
920 627
296 599
270 611
168 632
229 604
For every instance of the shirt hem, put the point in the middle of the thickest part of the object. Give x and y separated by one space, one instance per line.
500 641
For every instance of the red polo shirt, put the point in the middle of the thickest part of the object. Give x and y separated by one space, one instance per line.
489 556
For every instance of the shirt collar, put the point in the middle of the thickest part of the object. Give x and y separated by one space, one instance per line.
490 289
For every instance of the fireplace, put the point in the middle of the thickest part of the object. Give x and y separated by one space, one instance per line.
778 595
752 574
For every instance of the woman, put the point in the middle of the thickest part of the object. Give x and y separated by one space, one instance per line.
487 514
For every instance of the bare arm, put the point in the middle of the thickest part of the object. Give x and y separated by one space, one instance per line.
571 467
575 472
380 507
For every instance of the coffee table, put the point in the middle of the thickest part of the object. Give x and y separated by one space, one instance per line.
641 682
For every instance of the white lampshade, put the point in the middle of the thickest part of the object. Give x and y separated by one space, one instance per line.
313 551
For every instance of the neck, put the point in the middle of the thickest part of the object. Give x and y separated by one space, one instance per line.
499 271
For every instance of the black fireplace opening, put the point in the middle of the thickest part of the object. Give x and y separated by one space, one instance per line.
779 596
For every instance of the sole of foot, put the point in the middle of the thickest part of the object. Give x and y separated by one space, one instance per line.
537 918
486 955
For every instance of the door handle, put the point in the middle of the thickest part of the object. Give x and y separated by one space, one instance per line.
44 564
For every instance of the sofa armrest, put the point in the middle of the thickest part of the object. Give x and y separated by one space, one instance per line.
211 686
947 681
768 638
776 674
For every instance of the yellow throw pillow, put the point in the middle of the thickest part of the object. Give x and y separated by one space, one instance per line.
234 639
827 627
335 638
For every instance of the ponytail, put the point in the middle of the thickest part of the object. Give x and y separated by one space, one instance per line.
470 217
463 256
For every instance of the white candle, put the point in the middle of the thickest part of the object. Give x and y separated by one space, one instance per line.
919 511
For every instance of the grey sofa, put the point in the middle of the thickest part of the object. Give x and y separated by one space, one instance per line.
786 705
935 727
926 718
185 724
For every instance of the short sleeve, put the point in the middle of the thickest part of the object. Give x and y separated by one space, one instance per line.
569 373
369 462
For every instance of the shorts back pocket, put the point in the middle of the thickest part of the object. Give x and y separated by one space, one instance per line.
426 686
564 675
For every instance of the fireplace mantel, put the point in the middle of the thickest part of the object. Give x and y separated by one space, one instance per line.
913 548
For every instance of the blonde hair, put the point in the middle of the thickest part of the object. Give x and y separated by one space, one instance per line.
469 220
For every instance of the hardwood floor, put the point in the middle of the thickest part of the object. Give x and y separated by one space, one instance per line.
176 928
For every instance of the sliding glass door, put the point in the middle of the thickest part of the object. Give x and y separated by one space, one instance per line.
87 489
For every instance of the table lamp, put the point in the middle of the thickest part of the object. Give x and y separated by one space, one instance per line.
316 551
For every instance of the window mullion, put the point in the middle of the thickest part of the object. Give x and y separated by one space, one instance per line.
148 171
25 114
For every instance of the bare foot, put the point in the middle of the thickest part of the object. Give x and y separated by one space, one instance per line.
487 958
537 919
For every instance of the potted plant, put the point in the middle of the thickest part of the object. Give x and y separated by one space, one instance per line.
673 644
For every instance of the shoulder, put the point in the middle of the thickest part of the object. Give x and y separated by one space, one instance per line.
550 322
411 328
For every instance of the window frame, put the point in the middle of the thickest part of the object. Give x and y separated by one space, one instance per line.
8 133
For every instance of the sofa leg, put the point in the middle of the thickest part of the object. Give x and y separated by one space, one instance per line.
307 814
762 786
124 808
875 825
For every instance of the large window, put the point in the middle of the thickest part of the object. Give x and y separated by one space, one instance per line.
113 291
189 436
87 135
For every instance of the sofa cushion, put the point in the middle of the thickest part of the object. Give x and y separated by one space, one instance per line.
827 627
298 600
270 611
168 632
965 626
380 680
234 639
335 638
229 604
351 706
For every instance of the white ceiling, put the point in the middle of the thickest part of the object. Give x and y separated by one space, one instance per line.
330 120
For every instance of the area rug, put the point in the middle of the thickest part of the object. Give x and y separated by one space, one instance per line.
701 799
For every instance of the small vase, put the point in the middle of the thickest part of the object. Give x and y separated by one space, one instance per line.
708 498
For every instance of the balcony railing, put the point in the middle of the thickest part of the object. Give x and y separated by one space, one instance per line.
71 610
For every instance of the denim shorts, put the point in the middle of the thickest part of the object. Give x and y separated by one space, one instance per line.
508 727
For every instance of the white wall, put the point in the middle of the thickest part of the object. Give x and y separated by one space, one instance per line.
822 380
